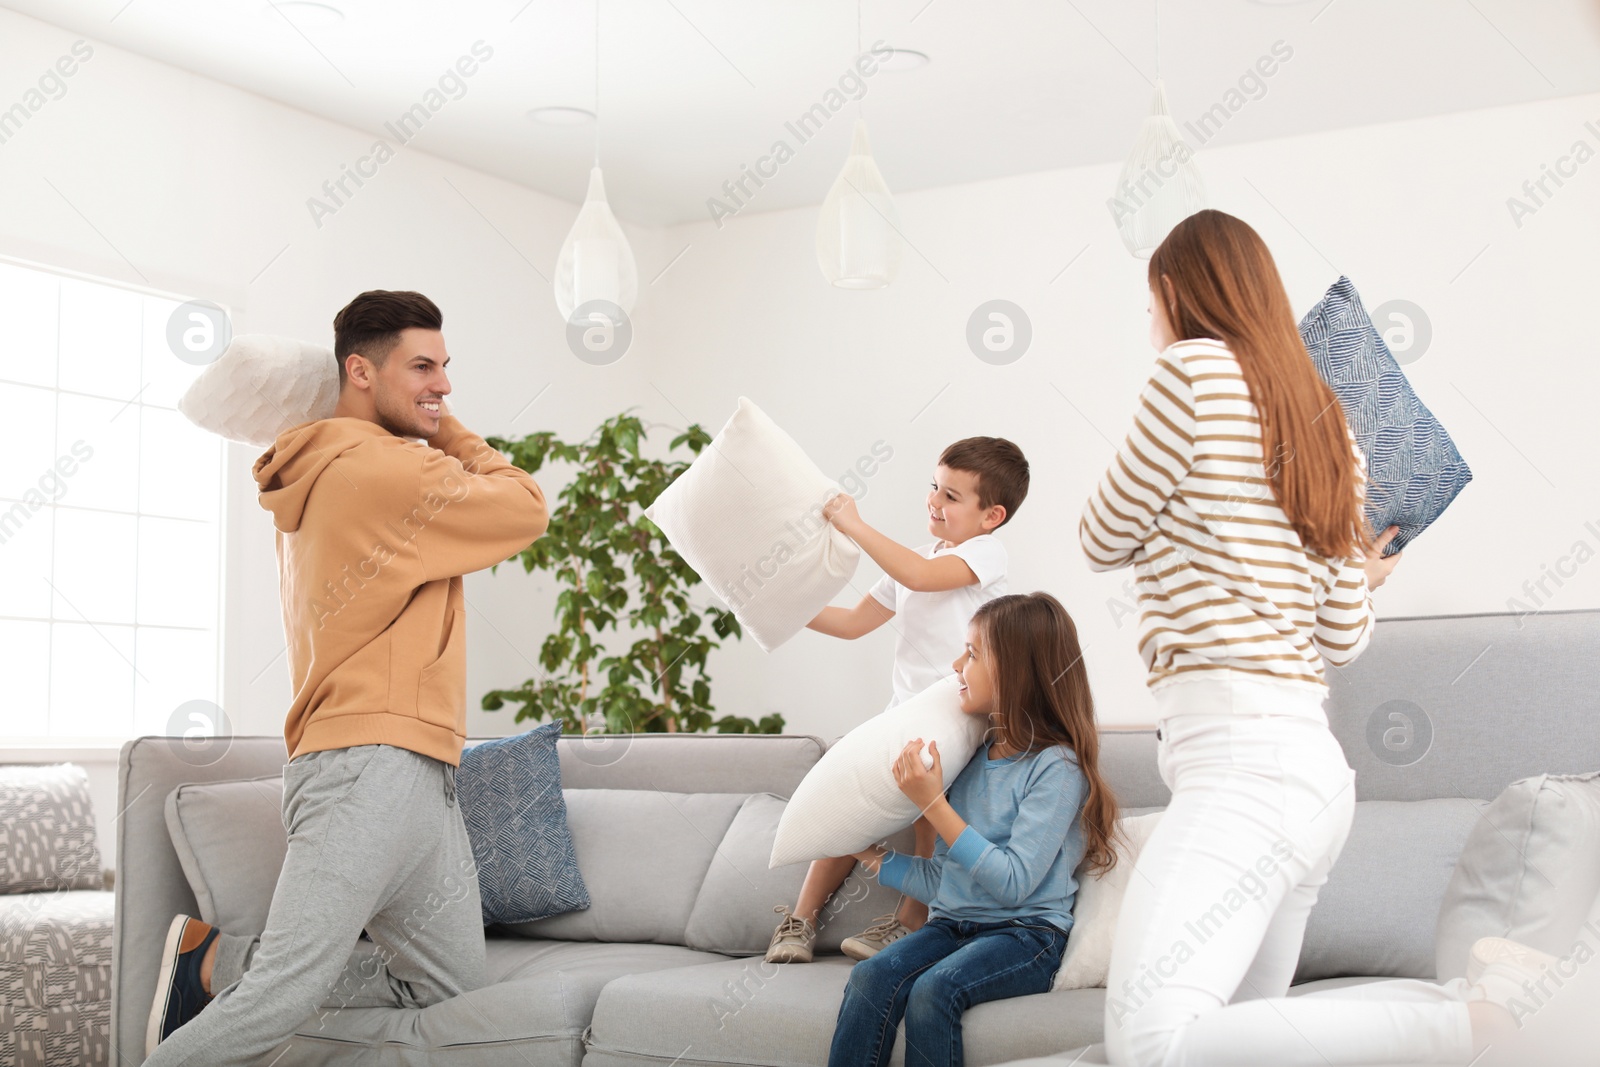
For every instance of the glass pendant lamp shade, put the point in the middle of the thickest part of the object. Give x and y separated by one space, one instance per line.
1160 185
858 229
596 262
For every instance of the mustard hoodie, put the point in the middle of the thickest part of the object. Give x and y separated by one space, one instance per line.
374 534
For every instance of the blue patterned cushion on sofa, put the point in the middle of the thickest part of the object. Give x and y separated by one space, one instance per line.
1413 468
516 816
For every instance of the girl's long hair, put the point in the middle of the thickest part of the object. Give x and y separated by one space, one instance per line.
1225 285
1043 699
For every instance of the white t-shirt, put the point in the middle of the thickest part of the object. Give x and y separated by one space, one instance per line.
933 626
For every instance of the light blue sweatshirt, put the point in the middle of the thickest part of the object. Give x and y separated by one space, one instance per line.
1022 842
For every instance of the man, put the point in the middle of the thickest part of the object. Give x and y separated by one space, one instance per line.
375 530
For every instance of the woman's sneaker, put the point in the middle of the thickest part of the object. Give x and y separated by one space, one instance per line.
885 931
179 994
793 940
1502 967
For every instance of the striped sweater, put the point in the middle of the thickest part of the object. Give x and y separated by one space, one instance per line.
1224 583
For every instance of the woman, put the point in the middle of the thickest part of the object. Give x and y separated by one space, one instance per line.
1238 499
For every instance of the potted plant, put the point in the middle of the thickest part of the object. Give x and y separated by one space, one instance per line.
617 570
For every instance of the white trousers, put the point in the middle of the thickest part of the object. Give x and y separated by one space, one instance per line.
1211 926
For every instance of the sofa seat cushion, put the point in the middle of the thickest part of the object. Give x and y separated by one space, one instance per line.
55 977
749 1011
534 1011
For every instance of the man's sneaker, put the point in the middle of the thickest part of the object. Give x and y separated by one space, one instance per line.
885 931
179 994
1501 967
792 940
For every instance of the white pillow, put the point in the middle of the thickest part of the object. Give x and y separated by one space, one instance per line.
848 800
747 516
261 386
1527 871
1087 959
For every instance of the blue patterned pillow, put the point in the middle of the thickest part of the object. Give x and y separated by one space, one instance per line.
1413 468
510 796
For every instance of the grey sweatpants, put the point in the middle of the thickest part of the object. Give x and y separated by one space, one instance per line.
376 842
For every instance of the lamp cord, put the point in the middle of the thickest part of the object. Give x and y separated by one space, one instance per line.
597 82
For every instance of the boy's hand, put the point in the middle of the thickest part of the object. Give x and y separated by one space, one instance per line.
923 785
841 511
1377 565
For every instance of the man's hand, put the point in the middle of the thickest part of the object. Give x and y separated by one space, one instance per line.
841 511
1377 565
923 785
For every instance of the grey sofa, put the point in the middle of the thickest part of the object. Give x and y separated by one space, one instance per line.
1438 717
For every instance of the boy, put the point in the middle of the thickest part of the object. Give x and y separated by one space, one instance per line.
978 485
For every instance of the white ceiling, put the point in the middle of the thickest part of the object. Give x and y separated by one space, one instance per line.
692 89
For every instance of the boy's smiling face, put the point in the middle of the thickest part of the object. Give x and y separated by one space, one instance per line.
954 514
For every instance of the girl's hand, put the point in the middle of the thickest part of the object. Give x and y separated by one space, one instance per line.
870 858
840 510
1377 565
924 785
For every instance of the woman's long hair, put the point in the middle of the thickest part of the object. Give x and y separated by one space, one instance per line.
1225 285
1043 699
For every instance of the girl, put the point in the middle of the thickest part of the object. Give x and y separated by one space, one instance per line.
1250 572
1020 816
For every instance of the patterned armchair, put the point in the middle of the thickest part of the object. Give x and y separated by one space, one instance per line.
55 922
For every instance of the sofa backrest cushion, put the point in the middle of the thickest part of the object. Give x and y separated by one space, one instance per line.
47 839
230 839
1530 870
734 910
1462 706
1376 913
644 854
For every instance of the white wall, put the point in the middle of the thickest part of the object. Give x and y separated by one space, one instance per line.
178 183
1413 210
200 186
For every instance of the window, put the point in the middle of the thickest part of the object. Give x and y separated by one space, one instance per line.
110 516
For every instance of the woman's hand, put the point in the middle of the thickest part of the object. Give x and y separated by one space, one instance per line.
1377 565
924 785
840 509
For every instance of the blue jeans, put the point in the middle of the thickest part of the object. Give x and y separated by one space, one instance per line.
933 975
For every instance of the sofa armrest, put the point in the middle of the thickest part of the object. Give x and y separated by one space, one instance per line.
150 886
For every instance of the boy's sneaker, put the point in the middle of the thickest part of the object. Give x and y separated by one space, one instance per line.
885 931
179 994
1501 967
792 941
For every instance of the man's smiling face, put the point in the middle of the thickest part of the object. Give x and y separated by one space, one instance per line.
408 388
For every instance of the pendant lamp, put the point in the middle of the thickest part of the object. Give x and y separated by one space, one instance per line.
858 229
1160 184
596 262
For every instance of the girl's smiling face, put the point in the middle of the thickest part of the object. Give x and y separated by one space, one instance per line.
975 666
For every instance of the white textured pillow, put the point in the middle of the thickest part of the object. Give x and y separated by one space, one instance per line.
261 386
747 516
1087 959
848 800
